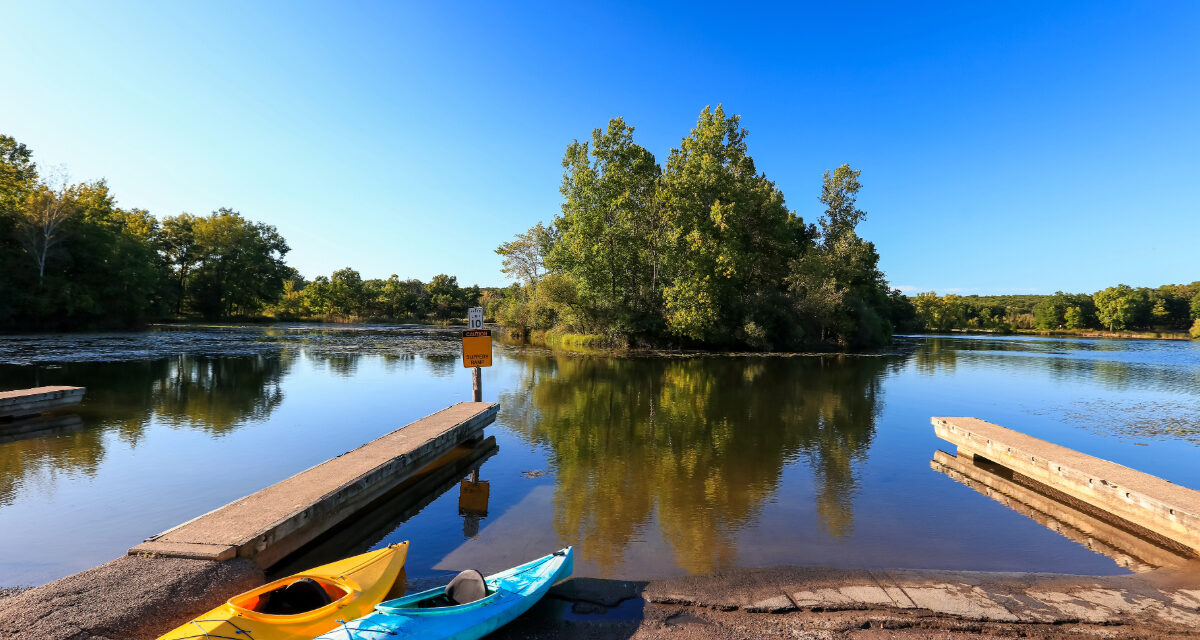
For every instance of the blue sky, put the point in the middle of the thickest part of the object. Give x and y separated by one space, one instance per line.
1006 147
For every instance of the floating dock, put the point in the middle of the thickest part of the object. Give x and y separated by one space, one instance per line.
269 525
31 402
1161 507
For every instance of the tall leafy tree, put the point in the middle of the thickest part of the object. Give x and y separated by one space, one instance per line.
43 223
608 242
524 257
446 297
181 254
1118 307
837 288
730 237
347 292
241 265
18 176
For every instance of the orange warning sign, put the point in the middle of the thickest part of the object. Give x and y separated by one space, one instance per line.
477 348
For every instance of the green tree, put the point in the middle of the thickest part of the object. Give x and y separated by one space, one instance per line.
316 296
43 223
347 292
940 313
446 297
292 302
241 265
177 244
1049 314
606 235
416 300
1118 307
18 174
730 239
524 257
96 264
837 286
1073 318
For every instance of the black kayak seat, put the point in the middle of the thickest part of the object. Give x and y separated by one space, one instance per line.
466 587
300 596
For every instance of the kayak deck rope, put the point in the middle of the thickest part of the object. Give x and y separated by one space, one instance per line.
347 628
242 634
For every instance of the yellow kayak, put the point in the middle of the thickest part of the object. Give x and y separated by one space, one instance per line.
304 605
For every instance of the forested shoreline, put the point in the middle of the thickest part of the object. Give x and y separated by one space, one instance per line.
699 253
71 259
1168 308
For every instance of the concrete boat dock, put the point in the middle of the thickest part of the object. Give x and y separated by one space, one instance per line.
1147 501
31 402
269 525
195 566
1129 546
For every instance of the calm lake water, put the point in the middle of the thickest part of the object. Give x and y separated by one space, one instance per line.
652 466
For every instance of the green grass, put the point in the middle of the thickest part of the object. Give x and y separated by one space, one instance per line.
555 339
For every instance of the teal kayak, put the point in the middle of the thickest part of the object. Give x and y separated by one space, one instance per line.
435 615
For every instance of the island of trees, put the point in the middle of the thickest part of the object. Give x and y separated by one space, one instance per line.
701 251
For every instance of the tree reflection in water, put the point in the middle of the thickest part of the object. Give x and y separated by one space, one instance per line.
697 445
216 395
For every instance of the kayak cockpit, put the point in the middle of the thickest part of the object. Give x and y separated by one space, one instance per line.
467 589
292 596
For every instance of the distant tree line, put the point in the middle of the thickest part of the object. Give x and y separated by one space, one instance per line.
1171 307
345 295
71 259
702 251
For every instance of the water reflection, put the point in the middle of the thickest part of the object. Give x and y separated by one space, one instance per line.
218 395
695 445
340 364
214 395
1130 365
40 460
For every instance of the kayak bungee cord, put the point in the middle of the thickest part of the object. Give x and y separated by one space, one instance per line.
348 629
245 633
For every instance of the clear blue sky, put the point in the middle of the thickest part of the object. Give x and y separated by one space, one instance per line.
1005 147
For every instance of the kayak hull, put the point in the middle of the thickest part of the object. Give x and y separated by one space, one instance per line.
511 593
355 585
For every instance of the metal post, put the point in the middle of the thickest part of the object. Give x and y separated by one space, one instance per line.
477 385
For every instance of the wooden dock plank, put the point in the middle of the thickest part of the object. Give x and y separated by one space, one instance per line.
270 524
1163 507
